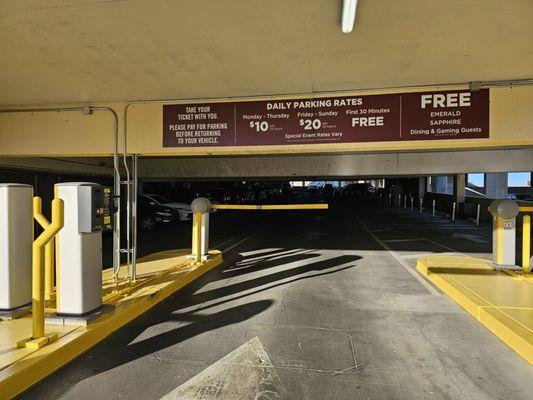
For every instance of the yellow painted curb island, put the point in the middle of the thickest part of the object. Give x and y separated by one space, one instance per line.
159 275
501 300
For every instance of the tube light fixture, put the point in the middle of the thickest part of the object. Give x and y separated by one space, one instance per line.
349 9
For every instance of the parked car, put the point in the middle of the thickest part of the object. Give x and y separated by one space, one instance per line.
184 209
356 190
312 189
150 214
520 197
328 189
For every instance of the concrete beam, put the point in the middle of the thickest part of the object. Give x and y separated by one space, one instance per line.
84 166
344 165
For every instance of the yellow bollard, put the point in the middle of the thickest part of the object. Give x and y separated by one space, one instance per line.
48 250
197 236
499 238
526 244
38 337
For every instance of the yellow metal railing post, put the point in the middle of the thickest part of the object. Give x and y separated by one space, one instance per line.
526 244
48 249
38 337
499 239
197 237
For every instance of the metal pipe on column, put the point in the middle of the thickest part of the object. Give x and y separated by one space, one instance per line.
412 203
433 207
88 110
116 194
127 182
421 205
478 212
134 220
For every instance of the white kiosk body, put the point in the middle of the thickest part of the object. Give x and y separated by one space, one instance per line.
79 249
16 239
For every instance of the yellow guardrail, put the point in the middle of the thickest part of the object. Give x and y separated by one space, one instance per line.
270 207
48 249
526 239
39 338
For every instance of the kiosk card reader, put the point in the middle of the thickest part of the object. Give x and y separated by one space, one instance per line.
79 248
16 238
504 213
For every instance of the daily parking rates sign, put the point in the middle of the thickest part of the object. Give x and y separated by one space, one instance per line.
373 118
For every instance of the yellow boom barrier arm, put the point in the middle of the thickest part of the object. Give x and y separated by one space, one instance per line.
38 337
270 207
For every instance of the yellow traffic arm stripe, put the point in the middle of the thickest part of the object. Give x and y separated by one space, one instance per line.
270 207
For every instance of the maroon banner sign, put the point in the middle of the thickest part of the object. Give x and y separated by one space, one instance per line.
373 118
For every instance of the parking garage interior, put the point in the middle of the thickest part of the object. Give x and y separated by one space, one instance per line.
266 200
333 294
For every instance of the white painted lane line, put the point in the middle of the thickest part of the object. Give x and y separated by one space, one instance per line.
245 373
220 245
255 252
420 237
241 241
418 255
400 261
402 240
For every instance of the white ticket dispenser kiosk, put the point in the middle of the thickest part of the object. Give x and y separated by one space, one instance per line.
16 238
79 249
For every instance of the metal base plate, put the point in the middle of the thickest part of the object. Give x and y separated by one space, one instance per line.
80 320
15 313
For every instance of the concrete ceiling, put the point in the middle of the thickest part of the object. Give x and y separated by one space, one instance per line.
98 50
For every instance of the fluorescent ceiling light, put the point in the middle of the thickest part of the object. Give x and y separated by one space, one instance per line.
349 8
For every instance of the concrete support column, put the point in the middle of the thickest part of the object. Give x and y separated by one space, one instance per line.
496 185
422 182
459 183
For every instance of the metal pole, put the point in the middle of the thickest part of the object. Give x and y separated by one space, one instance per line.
421 204
404 201
399 200
412 204
134 219
477 214
433 207
127 182
390 199
453 211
